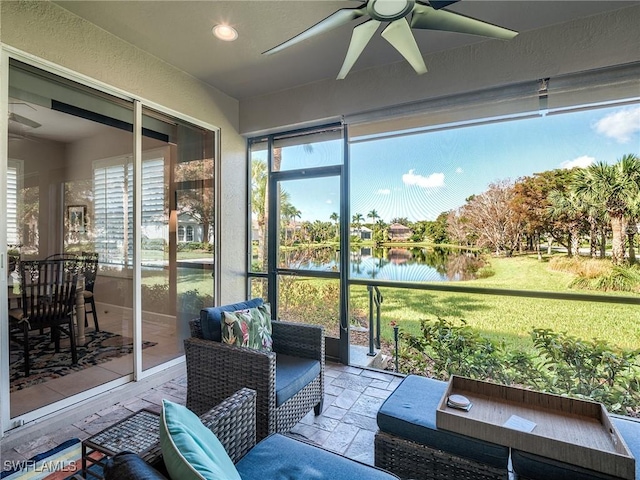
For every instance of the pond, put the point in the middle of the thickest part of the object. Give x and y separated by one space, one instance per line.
392 264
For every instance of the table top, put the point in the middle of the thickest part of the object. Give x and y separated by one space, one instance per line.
138 433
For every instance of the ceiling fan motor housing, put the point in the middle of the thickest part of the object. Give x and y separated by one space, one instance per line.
389 10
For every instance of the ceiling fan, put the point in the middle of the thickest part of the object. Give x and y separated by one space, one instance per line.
424 15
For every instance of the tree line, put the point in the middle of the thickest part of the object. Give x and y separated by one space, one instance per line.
599 202
563 207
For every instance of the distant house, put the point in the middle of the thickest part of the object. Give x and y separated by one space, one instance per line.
363 233
189 230
399 233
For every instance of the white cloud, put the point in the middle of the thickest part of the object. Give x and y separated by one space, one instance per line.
434 180
329 202
620 125
459 170
383 191
582 162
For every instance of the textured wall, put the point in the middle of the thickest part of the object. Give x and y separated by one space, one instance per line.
51 33
583 44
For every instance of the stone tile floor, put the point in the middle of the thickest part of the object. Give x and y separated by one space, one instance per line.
347 424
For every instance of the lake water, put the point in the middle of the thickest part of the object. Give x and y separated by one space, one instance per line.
391 264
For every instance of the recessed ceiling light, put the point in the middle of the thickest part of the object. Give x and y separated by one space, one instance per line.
225 32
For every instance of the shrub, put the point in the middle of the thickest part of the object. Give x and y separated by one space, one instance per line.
590 369
564 364
153 244
618 278
194 246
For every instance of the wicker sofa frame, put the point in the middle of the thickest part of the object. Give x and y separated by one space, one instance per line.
215 371
409 460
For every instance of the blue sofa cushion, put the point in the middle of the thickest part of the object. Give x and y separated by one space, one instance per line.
629 428
292 375
211 318
410 413
127 465
280 457
536 467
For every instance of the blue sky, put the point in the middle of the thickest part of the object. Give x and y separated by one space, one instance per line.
421 175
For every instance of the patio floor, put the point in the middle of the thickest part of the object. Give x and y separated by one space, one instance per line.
346 426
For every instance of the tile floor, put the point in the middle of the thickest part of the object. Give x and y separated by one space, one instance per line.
166 348
347 425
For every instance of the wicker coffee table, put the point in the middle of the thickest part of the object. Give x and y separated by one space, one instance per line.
138 433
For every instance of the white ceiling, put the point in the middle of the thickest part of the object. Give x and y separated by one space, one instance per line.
179 32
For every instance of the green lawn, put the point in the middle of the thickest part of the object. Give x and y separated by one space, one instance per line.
509 319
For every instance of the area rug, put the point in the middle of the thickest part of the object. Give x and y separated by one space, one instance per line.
46 364
58 463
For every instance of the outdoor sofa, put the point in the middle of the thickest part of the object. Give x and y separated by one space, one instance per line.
409 444
289 380
278 456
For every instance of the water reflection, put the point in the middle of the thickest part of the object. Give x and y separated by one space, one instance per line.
393 264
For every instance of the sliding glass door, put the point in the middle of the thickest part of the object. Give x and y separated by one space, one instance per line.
70 154
76 187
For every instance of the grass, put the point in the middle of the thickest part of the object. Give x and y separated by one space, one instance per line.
509 319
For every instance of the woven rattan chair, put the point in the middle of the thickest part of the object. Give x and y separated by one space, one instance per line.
233 422
216 371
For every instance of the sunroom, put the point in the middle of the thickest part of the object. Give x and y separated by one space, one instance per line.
204 173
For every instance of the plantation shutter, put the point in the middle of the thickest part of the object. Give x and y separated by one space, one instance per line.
12 203
113 189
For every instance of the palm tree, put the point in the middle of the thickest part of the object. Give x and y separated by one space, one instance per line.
259 205
335 217
373 215
356 221
568 208
616 187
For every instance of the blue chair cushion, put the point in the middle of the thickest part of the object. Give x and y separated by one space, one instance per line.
280 457
536 467
629 428
130 466
292 375
410 413
211 318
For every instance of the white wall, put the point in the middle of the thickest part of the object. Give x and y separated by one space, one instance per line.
53 34
583 44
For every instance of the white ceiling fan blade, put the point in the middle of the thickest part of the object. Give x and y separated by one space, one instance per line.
398 33
429 18
334 20
359 39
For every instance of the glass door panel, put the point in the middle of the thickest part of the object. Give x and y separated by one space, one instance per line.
70 158
308 252
177 232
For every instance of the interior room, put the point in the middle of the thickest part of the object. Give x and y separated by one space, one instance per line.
154 139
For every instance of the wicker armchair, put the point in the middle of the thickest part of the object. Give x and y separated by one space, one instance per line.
216 371
233 422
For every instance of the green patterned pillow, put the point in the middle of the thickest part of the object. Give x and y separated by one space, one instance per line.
248 328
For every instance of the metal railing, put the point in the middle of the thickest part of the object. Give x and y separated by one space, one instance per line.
375 299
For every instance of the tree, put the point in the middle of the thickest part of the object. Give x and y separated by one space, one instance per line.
568 208
616 187
373 215
199 203
457 227
492 219
356 221
401 220
335 218
531 202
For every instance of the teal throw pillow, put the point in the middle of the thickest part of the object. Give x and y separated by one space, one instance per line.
191 450
248 328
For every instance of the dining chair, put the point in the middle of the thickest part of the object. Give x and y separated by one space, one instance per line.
48 290
89 268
